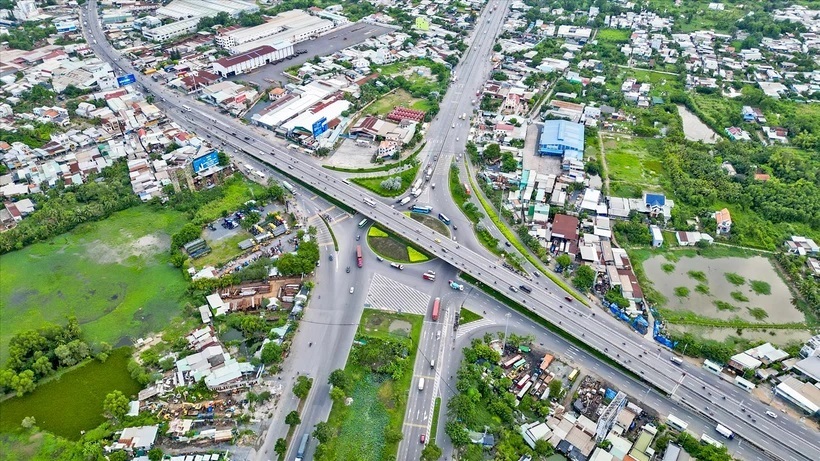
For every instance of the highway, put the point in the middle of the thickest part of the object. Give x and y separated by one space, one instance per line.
705 393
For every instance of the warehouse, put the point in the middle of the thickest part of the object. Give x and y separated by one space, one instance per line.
252 59
559 137
298 101
293 26
173 30
187 9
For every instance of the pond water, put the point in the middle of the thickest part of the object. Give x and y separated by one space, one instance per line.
694 129
74 402
777 304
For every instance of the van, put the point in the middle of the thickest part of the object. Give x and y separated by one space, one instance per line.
525 289
676 360
421 384
433 365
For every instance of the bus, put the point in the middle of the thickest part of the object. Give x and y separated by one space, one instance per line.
444 218
676 423
187 109
300 453
725 431
524 390
573 374
706 439
359 261
744 384
421 209
712 367
370 202
287 186
362 223
436 307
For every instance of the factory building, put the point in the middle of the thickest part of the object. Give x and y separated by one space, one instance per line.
292 26
173 30
188 9
251 59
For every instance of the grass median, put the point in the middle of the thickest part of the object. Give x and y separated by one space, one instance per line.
375 184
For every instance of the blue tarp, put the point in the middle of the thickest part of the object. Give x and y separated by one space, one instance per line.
610 394
662 339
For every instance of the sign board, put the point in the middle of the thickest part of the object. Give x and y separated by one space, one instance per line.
126 80
241 98
319 127
211 159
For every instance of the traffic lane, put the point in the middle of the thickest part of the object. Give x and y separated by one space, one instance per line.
362 195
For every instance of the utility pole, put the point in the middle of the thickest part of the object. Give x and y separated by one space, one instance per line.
506 324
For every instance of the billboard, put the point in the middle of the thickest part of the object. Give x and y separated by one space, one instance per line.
241 98
203 162
126 80
319 127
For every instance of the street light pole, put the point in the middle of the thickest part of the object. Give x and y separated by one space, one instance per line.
506 324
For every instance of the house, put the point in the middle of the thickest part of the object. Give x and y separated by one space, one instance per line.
387 149
136 439
654 203
802 246
776 134
724 221
686 239
657 237
752 114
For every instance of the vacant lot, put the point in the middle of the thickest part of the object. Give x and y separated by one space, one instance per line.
723 277
632 168
74 402
388 102
113 275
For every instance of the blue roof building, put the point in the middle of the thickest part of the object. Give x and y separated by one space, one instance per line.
559 137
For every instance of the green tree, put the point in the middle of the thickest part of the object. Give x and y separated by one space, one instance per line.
338 378
563 260
584 278
555 388
302 387
271 353
543 448
155 454
497 47
280 447
457 433
323 432
292 418
119 455
116 405
431 452
337 394
224 160
28 422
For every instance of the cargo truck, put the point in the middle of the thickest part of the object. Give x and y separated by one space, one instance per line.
725 431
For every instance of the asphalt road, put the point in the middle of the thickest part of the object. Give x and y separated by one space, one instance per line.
784 438
494 321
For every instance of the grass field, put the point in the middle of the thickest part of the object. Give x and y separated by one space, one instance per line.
222 250
392 248
388 102
631 166
114 275
237 192
374 184
375 409
74 402
467 316
613 35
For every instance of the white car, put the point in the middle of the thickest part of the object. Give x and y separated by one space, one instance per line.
772 414
351 290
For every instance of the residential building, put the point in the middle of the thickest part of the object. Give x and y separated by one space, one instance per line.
802 246
724 221
387 149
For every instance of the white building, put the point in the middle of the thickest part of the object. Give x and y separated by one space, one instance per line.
185 9
173 30
294 26
252 59
25 10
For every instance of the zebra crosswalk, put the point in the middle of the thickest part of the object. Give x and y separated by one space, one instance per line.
388 295
472 326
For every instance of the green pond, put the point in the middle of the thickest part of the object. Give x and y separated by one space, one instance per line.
74 402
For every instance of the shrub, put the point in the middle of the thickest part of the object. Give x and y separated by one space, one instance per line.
415 256
760 287
682 292
702 288
758 313
735 279
700 276
739 297
668 268
724 306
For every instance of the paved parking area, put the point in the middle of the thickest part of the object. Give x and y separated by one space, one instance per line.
333 41
543 165
351 155
388 295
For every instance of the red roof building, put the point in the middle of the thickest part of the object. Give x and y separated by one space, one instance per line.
402 113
